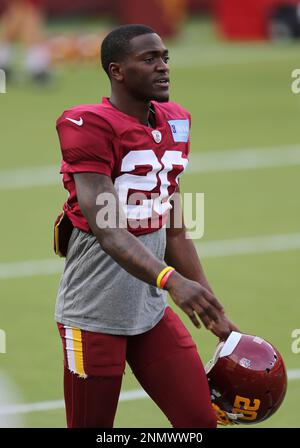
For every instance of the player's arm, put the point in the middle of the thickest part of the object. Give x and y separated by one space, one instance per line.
135 258
120 244
182 255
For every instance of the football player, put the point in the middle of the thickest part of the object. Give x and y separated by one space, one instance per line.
112 299
23 21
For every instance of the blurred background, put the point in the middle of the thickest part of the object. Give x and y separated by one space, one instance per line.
231 66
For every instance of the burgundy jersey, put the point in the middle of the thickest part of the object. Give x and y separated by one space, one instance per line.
143 163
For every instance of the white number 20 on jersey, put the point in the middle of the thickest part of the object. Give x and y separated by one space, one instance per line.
148 182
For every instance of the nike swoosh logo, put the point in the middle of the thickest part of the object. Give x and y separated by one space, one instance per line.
78 122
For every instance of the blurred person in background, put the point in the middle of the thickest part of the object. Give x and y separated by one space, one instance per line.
23 22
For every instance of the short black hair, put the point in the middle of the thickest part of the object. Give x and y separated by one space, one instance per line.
115 45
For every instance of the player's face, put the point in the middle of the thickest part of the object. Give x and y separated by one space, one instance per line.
146 71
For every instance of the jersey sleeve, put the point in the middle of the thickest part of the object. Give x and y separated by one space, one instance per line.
86 143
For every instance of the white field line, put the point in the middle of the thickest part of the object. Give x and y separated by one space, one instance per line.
247 246
245 159
222 55
129 395
227 160
39 176
31 268
207 249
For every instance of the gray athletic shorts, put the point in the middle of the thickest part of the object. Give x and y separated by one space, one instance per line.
97 294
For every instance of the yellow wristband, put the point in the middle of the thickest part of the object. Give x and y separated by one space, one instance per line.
161 274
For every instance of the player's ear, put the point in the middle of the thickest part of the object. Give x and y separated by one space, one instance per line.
116 72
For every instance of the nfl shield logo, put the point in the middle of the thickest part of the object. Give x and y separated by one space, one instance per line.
156 136
244 362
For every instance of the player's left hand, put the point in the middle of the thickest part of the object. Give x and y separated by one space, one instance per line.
223 327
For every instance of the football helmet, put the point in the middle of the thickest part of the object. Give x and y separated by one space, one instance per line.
247 379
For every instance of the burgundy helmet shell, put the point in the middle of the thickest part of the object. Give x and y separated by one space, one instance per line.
247 379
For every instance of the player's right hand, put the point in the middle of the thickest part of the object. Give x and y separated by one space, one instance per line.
195 300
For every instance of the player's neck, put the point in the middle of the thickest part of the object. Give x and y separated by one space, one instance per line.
132 107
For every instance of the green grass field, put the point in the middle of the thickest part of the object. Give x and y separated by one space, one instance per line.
239 97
